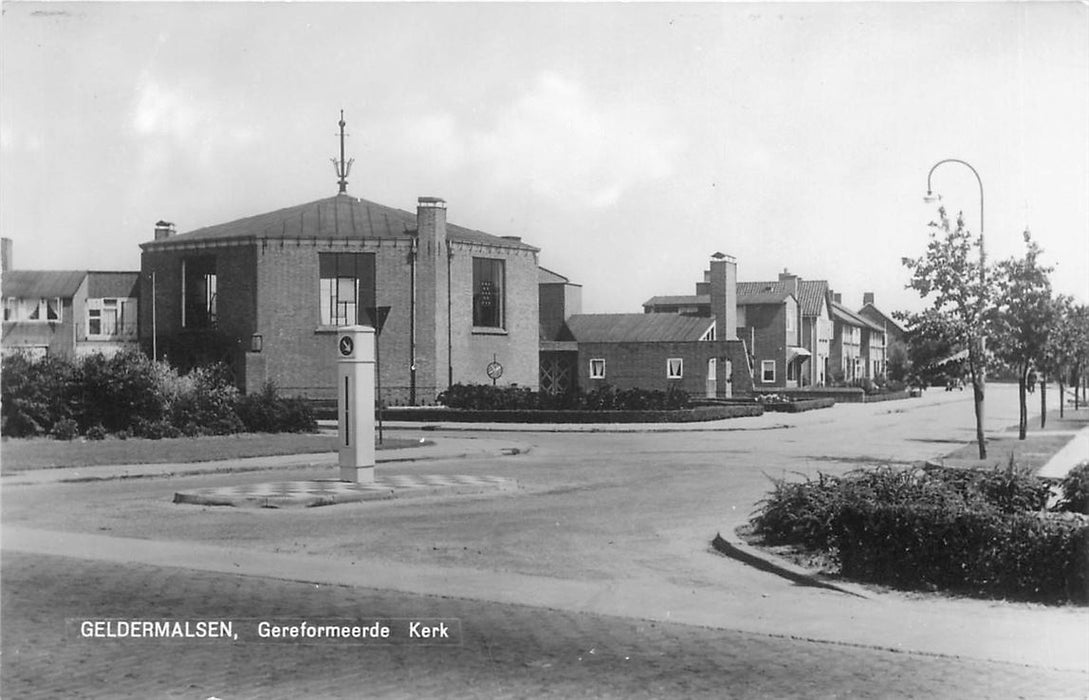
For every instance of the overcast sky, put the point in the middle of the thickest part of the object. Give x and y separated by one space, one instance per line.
627 141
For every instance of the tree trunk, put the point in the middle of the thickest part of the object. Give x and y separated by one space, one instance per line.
978 390
1043 400
1062 398
1022 403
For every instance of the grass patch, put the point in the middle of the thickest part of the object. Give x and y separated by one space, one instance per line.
21 455
1032 453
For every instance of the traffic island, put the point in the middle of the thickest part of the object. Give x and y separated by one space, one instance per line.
328 492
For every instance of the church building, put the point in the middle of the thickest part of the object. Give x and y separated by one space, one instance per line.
266 294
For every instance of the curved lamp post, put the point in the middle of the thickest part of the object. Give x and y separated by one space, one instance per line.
978 368
931 197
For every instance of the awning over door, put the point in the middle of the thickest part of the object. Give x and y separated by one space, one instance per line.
793 353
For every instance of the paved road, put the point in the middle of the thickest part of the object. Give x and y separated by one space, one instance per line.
508 651
631 514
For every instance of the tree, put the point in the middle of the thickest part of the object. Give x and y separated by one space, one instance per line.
1023 321
1060 354
1080 350
953 276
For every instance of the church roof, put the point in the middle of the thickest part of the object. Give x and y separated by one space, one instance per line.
340 217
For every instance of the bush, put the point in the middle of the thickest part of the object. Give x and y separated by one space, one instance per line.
117 391
203 403
267 412
34 394
1022 555
65 429
96 432
981 531
1075 488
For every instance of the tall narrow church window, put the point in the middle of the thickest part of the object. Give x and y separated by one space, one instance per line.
488 289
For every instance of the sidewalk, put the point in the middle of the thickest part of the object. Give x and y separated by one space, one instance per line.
1055 638
446 448
1075 452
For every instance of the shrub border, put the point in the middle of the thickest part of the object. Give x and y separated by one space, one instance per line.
460 415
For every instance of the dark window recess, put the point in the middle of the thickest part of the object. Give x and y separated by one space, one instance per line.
200 294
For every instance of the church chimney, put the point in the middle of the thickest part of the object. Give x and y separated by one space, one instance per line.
163 229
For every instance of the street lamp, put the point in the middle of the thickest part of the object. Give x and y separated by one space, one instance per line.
978 365
931 197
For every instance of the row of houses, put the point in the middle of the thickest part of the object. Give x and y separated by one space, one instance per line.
266 294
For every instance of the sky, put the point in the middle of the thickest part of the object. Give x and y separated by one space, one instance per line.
628 141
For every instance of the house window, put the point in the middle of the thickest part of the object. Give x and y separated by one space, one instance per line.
102 316
488 284
597 369
199 293
346 288
46 309
767 371
674 368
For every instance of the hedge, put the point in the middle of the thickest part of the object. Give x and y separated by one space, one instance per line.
690 415
985 532
484 397
1029 556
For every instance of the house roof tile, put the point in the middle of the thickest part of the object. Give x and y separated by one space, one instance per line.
843 314
113 284
546 276
621 328
31 284
679 300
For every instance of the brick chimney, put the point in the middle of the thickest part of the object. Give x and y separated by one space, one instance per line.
791 279
867 298
837 297
723 284
432 352
163 230
5 254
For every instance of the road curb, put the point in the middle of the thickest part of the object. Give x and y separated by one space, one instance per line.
738 550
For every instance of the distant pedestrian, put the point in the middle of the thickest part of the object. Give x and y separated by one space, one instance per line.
1031 381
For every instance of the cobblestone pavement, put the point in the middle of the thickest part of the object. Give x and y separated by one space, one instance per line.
507 652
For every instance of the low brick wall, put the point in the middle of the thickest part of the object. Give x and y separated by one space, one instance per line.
453 415
842 394
799 406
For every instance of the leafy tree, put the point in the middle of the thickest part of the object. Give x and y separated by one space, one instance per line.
1080 351
953 276
1060 354
932 348
1024 320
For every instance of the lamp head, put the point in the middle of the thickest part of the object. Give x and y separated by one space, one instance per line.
932 197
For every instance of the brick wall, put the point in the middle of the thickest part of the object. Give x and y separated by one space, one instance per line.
643 365
516 345
766 326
